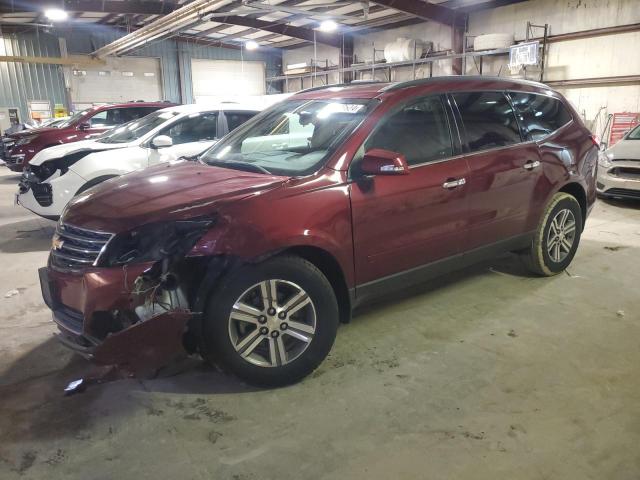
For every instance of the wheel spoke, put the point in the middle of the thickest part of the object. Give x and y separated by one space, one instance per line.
556 252
567 245
246 313
551 245
253 346
563 218
303 327
300 336
269 295
273 356
293 300
248 339
298 306
553 228
569 228
282 351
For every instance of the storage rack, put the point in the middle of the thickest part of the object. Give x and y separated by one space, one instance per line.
430 59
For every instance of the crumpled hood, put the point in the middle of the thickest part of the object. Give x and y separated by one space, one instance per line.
625 149
168 191
59 151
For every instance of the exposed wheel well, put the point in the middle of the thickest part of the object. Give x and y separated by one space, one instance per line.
576 190
330 267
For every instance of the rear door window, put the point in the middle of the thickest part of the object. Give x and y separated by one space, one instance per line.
235 119
197 127
419 131
488 119
539 115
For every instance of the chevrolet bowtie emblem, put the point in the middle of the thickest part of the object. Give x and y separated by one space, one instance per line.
56 242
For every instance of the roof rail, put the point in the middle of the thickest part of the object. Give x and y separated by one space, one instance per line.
340 85
457 78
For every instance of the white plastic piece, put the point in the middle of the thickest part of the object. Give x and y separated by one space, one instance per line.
403 49
493 41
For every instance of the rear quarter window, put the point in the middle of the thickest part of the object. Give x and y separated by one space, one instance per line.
539 115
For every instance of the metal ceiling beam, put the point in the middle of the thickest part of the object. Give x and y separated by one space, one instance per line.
104 6
283 29
425 11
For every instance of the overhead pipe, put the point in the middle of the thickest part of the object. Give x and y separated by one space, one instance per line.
181 18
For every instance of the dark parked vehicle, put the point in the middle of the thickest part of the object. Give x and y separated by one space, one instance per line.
85 124
253 254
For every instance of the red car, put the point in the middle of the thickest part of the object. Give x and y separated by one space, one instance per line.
255 252
85 124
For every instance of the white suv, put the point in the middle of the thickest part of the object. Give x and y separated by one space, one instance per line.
56 174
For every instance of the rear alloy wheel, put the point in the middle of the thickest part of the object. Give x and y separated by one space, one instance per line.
556 240
272 323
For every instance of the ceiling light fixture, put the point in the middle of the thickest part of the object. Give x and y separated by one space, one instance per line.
251 45
328 26
56 14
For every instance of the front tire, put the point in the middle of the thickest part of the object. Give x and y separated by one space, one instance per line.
557 237
271 323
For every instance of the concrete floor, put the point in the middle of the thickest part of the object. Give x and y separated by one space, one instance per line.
485 374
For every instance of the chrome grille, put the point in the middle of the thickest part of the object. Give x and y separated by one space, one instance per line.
77 248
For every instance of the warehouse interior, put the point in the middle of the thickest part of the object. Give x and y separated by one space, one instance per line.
487 371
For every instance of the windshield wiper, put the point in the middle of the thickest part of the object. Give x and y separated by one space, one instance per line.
240 165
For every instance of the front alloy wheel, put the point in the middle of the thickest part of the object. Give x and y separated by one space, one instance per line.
271 323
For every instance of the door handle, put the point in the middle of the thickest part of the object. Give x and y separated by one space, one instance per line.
454 183
531 164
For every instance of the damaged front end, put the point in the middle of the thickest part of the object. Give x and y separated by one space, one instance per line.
127 300
34 176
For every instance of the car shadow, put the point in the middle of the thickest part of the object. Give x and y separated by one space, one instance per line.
11 179
627 203
30 235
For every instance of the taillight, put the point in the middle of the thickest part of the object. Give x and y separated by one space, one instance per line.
595 141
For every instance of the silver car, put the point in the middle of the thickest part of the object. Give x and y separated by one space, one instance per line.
619 168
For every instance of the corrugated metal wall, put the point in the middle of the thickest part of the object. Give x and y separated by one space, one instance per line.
21 82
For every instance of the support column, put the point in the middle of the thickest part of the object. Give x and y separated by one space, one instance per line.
346 57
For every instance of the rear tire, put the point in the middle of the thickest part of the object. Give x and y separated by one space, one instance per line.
557 237
265 342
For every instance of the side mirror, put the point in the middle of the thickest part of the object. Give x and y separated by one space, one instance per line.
84 126
161 141
603 146
384 162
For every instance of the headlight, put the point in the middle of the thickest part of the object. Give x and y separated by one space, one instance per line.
155 241
604 159
25 140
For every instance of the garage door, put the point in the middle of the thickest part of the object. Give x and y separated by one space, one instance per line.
220 80
119 80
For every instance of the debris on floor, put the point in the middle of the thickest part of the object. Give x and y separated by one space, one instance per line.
620 313
613 249
512 333
11 293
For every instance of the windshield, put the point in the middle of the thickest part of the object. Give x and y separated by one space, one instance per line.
292 138
137 128
74 118
634 134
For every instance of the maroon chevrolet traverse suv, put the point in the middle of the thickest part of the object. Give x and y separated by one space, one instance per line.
254 252
83 125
